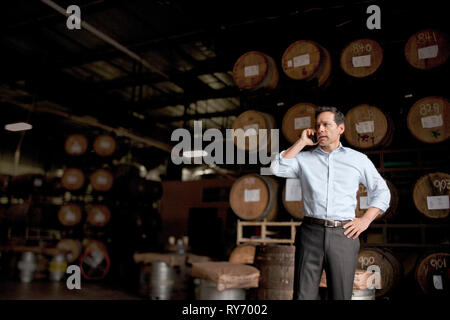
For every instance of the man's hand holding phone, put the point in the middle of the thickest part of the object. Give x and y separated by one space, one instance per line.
309 137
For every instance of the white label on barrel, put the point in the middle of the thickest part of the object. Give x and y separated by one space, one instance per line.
70 216
437 282
251 71
361 61
364 202
365 127
293 190
302 123
105 144
302 60
251 195
251 129
99 217
432 121
72 179
289 63
428 52
102 180
437 202
76 147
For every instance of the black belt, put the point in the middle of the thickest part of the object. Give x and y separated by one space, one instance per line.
326 223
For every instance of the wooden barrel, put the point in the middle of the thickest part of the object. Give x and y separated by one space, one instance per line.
250 122
276 266
429 119
291 198
390 268
307 60
104 145
368 127
361 58
254 197
431 195
94 261
362 202
433 274
101 180
73 179
427 49
254 70
244 254
298 118
98 215
69 214
71 248
76 144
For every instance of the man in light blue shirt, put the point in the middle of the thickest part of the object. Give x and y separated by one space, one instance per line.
330 175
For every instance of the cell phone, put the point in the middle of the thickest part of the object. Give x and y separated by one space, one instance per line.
313 138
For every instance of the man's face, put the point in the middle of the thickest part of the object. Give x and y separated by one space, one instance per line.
327 131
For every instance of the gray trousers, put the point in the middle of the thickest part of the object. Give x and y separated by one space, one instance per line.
319 247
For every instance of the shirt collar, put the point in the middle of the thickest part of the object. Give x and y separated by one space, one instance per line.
339 148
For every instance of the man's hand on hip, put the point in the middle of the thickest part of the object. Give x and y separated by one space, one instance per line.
358 225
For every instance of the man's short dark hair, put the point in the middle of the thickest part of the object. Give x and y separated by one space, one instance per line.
338 115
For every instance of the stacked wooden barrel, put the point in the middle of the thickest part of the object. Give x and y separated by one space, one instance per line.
361 58
98 215
70 214
254 70
246 130
429 119
431 195
367 127
104 145
427 49
433 274
391 270
254 197
94 261
308 61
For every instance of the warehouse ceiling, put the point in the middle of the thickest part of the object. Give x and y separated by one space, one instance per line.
184 55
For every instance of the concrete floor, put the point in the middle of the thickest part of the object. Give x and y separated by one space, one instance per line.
46 290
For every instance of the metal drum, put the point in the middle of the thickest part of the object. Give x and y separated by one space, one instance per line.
27 266
157 281
208 291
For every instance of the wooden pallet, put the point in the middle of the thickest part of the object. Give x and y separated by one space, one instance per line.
265 233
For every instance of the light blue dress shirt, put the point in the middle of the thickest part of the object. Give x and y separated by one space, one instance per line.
330 181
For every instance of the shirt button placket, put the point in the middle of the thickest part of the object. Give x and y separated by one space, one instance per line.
330 186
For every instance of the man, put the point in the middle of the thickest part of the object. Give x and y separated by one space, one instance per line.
329 175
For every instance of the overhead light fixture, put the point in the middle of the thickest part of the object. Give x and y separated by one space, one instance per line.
195 153
18 126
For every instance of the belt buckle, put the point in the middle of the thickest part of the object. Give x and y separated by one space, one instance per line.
330 224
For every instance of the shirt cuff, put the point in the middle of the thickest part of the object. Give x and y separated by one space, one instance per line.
285 160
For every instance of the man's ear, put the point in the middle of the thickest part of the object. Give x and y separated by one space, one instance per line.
342 128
